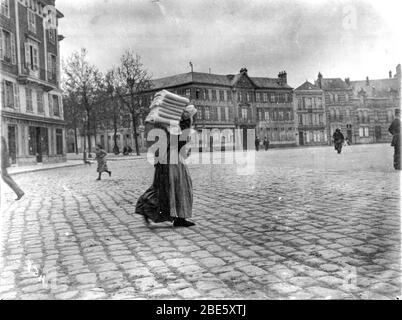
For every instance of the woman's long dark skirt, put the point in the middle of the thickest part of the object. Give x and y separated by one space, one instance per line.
154 203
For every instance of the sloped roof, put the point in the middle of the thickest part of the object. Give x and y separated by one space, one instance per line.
333 84
214 79
307 86
376 87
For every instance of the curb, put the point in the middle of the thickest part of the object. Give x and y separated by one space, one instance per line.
45 169
69 165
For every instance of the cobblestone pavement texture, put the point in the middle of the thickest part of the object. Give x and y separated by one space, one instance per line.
309 224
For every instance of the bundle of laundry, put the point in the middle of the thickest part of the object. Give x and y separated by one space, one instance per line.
167 108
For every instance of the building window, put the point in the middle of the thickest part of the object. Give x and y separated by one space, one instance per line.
321 119
337 115
266 114
259 114
226 113
197 93
8 94
319 103
187 92
28 92
244 113
213 95
390 116
8 52
199 113
206 95
5 8
265 97
52 67
31 21
365 116
248 99
39 99
59 141
52 35
32 56
229 95
221 95
207 113
363 132
257 97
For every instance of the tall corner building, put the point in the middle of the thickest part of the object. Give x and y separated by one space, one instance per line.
31 99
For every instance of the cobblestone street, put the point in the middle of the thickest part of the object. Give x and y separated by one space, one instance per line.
309 224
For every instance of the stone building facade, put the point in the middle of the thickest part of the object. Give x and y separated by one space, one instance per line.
375 103
311 120
237 101
31 106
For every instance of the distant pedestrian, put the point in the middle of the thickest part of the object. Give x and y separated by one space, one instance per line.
266 143
100 157
395 130
5 163
339 139
257 143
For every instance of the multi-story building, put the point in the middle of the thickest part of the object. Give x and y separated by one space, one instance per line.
375 103
309 104
31 105
238 101
339 107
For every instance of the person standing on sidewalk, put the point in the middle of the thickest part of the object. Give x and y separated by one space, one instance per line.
5 163
100 156
395 130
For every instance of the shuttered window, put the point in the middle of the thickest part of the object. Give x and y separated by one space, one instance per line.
28 93
8 52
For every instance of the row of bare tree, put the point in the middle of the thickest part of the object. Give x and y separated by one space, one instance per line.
93 99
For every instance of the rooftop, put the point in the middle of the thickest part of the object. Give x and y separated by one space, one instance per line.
216 79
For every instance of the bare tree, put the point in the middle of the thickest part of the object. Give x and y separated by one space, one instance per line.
114 105
83 80
132 83
73 115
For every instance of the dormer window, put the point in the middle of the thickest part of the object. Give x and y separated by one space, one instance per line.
31 21
5 8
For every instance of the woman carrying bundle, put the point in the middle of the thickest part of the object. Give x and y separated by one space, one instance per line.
170 198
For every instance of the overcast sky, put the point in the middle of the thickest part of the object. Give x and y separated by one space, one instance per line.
339 38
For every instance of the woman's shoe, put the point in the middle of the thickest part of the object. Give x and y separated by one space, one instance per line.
180 222
146 219
19 196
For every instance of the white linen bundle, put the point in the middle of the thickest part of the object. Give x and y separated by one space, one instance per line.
167 108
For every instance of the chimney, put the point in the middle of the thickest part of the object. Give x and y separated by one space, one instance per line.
243 71
282 76
390 74
347 81
319 80
367 81
398 71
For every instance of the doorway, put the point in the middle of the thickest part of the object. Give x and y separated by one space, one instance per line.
12 144
38 145
301 138
349 132
377 133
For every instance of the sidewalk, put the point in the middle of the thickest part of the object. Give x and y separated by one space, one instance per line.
72 160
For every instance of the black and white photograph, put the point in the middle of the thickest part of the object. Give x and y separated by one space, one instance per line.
200 150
